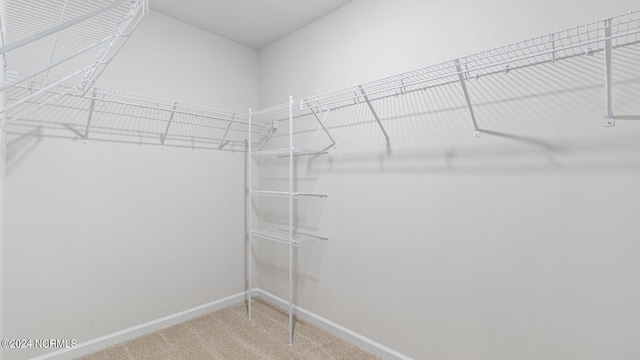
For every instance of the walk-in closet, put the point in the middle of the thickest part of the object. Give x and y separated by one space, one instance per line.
340 179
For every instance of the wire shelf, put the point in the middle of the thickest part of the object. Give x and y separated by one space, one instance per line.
71 41
285 194
103 114
281 235
581 40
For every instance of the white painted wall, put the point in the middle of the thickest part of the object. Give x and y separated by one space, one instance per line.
107 236
2 215
518 245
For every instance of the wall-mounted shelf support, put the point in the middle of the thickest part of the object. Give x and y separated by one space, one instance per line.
166 131
222 142
91 107
375 115
609 119
315 115
463 83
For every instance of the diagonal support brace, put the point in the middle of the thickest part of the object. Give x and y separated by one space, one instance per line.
333 141
609 119
375 115
224 137
463 83
166 131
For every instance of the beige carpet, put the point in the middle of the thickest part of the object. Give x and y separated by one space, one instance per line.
227 334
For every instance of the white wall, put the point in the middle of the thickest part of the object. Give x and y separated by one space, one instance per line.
2 215
107 236
522 244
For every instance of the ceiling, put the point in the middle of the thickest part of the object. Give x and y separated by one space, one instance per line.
255 23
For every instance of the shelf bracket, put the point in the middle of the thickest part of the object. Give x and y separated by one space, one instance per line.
222 142
609 119
463 83
333 142
166 131
91 107
375 115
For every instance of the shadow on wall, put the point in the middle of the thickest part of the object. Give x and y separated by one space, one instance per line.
20 146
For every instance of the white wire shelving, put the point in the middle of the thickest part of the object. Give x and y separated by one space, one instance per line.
284 216
71 41
109 115
54 51
598 37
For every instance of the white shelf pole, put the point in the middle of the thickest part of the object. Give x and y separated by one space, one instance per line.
290 220
249 194
463 83
609 118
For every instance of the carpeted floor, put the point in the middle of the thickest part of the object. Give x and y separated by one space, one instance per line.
227 334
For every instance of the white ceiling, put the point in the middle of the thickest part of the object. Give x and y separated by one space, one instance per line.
255 23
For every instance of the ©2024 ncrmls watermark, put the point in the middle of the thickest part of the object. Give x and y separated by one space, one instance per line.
39 343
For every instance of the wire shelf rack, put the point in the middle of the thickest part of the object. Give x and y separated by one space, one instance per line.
71 41
109 115
622 30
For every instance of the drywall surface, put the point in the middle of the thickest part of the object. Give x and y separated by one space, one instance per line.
520 244
172 60
106 236
2 227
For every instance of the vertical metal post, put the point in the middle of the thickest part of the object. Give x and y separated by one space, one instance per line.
290 220
463 83
609 119
249 195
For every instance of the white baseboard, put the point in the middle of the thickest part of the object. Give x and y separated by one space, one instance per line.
329 326
133 332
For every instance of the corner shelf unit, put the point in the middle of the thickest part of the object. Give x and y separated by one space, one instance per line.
71 41
274 146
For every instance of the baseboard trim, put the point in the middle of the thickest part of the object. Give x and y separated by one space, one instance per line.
103 342
340 331
133 332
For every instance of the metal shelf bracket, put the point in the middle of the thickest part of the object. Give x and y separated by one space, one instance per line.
375 115
609 119
222 142
315 115
463 83
166 131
